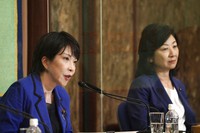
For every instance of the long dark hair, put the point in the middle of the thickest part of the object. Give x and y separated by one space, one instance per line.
153 37
50 45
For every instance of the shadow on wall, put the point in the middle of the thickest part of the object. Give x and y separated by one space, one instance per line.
189 39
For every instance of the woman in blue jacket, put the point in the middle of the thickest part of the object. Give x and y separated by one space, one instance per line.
42 94
154 82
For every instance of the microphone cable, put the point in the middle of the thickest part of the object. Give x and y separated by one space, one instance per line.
120 98
23 114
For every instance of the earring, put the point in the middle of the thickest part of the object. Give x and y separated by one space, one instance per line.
151 60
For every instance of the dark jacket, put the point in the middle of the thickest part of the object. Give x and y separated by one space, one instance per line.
150 90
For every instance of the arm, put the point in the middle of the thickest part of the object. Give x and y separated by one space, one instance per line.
9 121
139 119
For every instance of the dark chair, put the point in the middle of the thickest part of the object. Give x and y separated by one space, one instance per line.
123 118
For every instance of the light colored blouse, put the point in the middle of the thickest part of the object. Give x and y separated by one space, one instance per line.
178 106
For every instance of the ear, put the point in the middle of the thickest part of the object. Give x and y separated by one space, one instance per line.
45 62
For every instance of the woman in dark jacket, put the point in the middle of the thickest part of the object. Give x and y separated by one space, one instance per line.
154 82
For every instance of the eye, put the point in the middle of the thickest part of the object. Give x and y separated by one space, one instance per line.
75 61
175 46
66 58
164 48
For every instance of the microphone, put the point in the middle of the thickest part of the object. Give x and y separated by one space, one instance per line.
23 114
118 97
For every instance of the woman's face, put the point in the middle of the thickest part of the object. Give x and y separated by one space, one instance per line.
62 67
166 57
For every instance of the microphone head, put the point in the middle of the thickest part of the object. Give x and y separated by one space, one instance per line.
81 84
89 86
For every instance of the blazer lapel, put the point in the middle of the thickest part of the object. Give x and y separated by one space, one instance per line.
40 103
160 93
179 91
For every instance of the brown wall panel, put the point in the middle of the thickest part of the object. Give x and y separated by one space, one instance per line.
65 15
37 25
122 23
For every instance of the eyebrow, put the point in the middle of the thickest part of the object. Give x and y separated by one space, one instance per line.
66 54
171 43
70 55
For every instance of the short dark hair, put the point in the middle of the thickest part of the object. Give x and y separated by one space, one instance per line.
50 45
153 37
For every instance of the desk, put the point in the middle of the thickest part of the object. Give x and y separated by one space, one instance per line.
196 129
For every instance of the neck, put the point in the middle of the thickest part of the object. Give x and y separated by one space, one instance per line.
48 87
47 83
165 79
163 75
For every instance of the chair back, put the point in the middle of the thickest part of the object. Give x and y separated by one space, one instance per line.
123 118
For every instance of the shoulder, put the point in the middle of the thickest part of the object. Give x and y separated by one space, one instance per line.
174 79
21 88
178 83
21 83
144 80
143 85
17 92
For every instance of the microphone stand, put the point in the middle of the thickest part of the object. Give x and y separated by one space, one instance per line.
23 114
120 98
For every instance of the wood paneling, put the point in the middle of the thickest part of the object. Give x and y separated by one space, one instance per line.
37 25
66 15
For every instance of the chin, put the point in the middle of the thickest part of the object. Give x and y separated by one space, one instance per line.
63 84
172 68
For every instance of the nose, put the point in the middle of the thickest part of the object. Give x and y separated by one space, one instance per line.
71 67
172 52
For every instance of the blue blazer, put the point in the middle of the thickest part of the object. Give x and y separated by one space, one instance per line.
150 90
27 95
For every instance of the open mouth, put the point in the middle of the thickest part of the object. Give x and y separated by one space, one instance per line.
67 77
